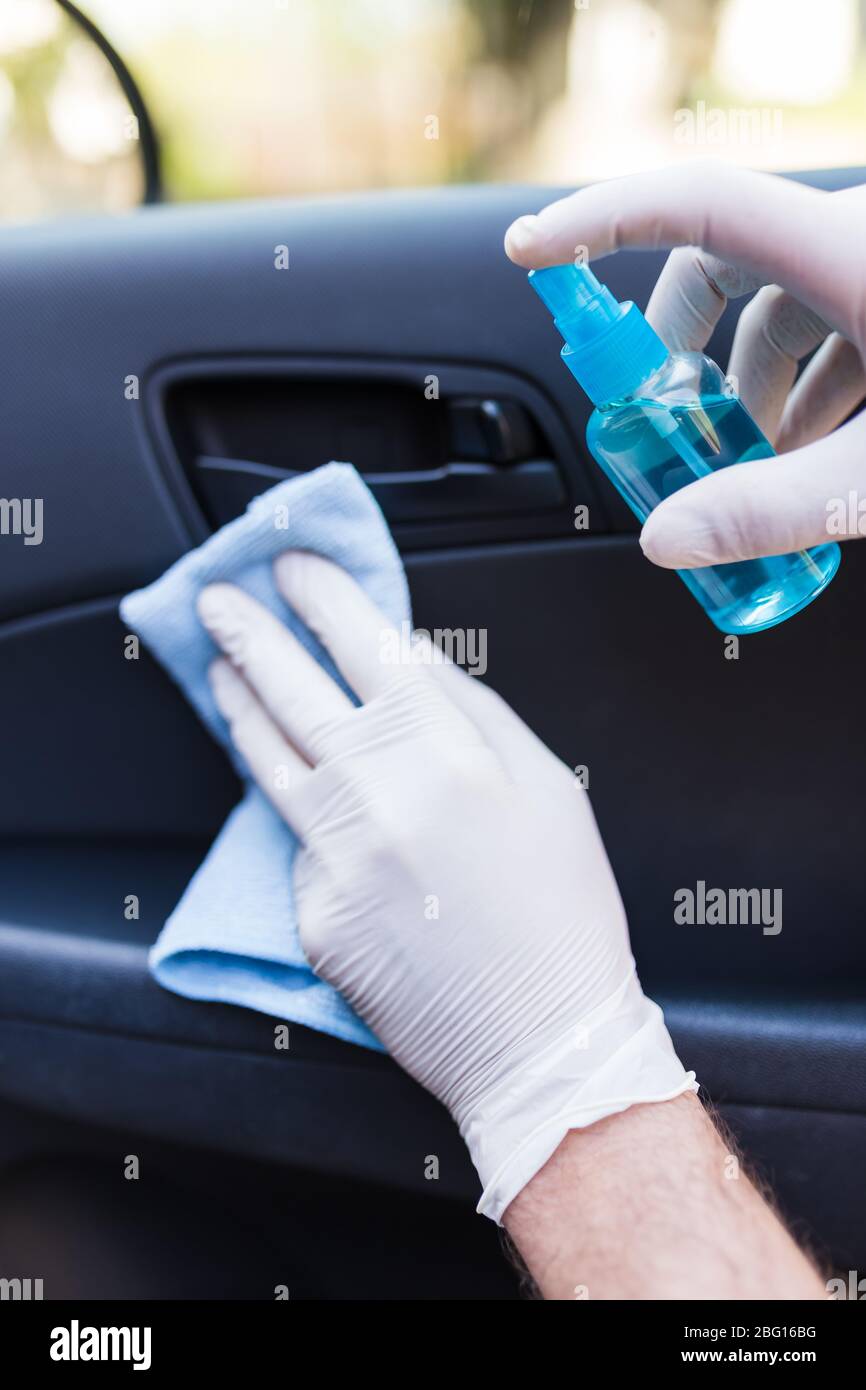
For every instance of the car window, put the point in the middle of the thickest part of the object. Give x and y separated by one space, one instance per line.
272 97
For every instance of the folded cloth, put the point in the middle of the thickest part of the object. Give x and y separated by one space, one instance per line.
234 935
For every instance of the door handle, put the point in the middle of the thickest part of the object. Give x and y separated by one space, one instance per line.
454 491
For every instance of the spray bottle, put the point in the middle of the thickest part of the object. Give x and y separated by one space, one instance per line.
660 421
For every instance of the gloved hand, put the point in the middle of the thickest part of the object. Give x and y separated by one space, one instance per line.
452 882
735 231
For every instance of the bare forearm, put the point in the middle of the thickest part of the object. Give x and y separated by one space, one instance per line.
651 1204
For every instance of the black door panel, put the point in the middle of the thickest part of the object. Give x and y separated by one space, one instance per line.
700 768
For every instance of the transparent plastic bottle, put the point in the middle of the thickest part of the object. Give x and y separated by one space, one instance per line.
661 421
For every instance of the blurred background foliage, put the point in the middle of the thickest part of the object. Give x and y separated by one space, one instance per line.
275 97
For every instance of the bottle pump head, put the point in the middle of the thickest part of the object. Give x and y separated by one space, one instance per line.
609 347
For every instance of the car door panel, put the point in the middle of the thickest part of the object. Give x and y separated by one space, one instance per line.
189 345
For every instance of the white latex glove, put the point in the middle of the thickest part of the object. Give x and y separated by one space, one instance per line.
735 231
452 882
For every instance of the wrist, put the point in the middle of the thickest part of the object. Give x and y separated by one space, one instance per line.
620 1055
647 1204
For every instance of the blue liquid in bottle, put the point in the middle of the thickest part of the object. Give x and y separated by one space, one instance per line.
661 421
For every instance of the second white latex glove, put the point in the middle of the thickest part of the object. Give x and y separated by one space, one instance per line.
452 883
738 231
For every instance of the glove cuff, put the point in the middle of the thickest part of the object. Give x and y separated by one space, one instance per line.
622 1055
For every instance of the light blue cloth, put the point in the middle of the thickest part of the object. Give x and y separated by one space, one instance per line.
233 936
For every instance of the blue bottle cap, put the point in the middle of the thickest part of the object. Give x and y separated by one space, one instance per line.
609 347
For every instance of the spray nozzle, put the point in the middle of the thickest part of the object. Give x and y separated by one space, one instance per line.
609 347
568 289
